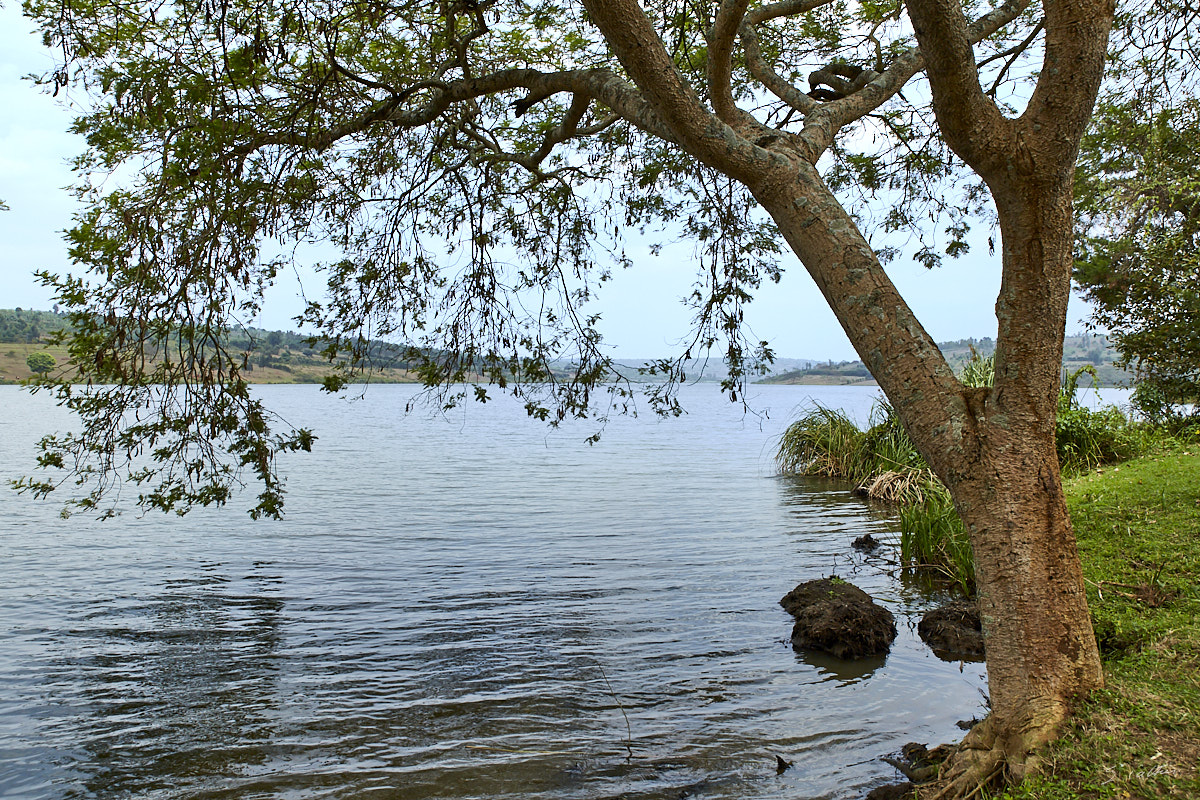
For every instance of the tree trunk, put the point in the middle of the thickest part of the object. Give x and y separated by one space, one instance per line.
1041 650
993 448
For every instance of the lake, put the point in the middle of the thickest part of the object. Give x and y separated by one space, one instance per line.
462 606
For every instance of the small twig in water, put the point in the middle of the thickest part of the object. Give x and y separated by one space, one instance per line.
620 705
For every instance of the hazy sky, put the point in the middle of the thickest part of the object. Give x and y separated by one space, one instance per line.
642 315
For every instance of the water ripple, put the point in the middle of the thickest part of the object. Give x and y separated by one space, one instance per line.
466 608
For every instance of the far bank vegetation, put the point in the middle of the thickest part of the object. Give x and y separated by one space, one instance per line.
270 356
1079 351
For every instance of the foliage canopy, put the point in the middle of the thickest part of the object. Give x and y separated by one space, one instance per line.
1138 192
474 169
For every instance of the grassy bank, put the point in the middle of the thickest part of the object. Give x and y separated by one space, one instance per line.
1139 536
292 365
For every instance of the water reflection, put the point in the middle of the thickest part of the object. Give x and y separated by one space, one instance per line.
844 671
166 687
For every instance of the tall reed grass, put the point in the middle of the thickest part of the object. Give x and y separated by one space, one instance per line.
883 464
934 541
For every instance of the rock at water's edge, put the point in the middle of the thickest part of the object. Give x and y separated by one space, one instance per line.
953 630
865 543
837 618
892 791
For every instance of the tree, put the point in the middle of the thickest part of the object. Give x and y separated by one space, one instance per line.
476 162
1138 247
40 363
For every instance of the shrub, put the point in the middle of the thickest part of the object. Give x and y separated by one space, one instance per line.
39 363
1087 439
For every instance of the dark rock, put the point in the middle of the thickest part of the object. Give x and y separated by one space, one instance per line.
892 791
865 543
837 618
953 630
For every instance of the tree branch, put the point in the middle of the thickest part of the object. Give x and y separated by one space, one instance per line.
766 75
823 120
1012 54
567 129
786 8
1076 44
617 94
720 59
636 44
968 118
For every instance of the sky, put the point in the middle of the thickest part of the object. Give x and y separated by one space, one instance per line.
642 315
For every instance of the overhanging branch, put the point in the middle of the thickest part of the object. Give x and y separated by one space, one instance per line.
601 84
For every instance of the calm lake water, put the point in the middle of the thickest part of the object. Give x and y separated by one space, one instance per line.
470 606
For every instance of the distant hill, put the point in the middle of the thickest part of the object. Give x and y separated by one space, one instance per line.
271 356
286 357
713 369
1078 350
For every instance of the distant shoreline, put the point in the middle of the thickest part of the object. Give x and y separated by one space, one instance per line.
278 357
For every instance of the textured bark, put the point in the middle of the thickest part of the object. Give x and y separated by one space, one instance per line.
994 449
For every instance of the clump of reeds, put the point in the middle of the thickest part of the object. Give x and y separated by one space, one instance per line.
933 539
825 442
900 487
883 464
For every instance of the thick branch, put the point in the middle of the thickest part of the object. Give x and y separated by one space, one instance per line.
1076 45
969 120
787 8
720 58
636 44
879 323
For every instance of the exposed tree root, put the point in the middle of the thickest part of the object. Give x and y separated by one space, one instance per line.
985 760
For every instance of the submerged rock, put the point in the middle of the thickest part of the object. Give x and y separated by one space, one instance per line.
953 630
838 618
865 543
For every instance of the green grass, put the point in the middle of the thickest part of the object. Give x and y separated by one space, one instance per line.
1138 526
934 541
